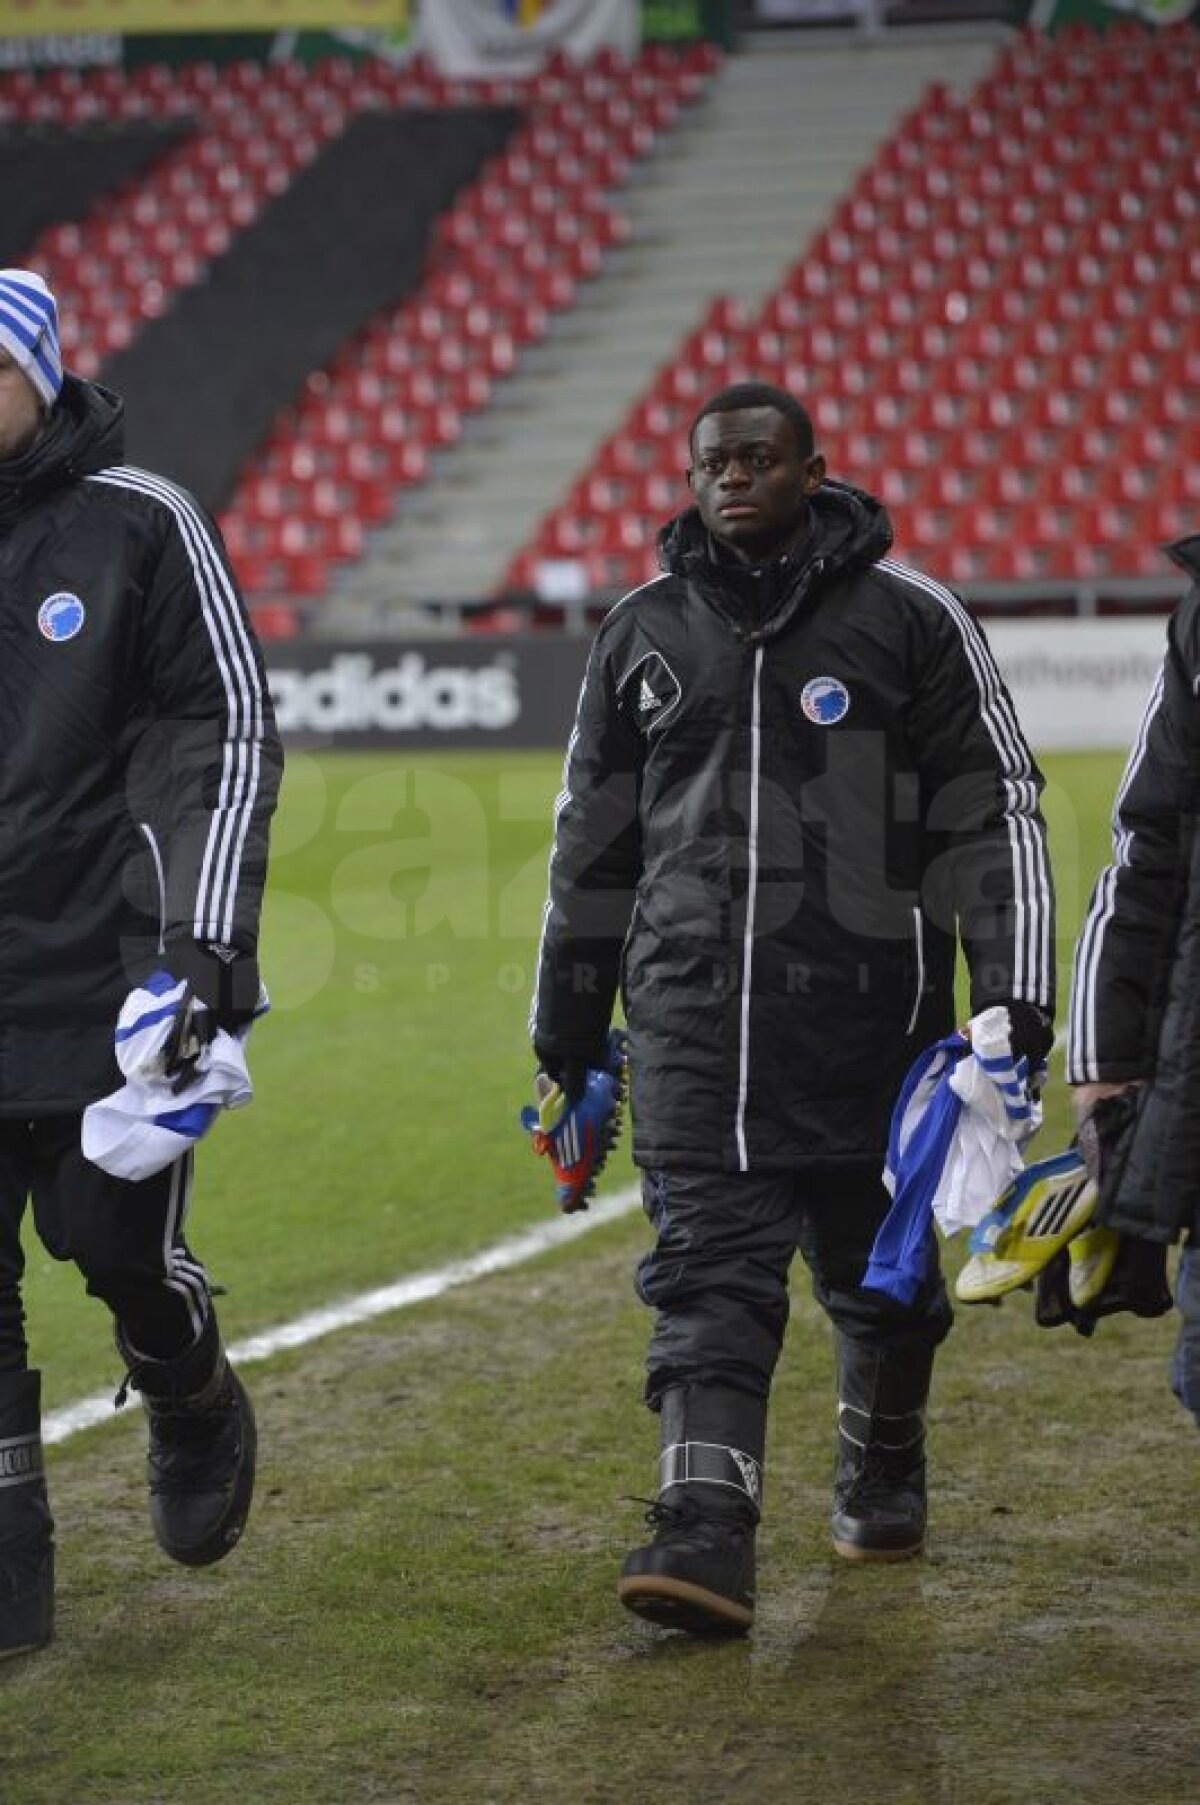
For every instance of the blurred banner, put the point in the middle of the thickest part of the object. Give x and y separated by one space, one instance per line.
24 18
688 21
515 37
869 12
1078 685
1051 14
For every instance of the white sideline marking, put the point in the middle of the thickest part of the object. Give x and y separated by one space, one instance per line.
416 1289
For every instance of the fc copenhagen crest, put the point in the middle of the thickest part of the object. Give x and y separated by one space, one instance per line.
824 700
61 616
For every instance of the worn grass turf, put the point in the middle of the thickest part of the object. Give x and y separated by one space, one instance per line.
423 1608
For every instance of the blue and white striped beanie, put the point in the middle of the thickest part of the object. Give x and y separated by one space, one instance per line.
29 330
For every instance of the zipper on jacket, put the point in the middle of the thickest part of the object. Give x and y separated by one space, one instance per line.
751 901
160 875
919 945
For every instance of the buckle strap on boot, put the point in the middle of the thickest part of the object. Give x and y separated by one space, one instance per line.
26 1526
711 1463
879 1483
190 1381
873 1429
21 1460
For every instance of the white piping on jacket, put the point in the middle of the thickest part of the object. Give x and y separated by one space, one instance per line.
751 901
233 655
919 938
1032 951
161 876
1082 1040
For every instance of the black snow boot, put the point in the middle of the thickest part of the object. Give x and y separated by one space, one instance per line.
879 1485
202 1448
698 1572
26 1526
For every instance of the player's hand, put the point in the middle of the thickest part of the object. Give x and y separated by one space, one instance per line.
1030 1033
577 1136
162 1031
1105 1133
221 979
1084 1097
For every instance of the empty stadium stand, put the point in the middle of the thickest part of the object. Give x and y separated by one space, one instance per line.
749 172
986 289
998 329
162 265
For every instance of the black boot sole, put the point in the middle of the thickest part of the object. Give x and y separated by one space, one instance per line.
856 1551
24 1648
677 1604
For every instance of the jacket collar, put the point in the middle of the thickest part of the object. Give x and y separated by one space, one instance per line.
85 433
848 530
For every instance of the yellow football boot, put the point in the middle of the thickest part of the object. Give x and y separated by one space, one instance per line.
1040 1211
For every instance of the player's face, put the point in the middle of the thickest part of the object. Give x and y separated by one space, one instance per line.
750 482
20 409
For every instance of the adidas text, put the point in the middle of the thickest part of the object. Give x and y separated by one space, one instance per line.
351 693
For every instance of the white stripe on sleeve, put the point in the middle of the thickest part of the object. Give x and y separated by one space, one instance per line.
1083 1050
1033 954
220 867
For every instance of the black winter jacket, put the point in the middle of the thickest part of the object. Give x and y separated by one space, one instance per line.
1135 995
139 763
779 812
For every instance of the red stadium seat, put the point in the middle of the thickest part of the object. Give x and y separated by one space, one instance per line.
1009 289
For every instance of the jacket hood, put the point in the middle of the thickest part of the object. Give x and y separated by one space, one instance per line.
850 530
1186 553
86 432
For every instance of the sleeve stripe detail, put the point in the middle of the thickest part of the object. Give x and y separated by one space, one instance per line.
1083 1052
234 656
1033 953
1081 1065
1123 836
561 801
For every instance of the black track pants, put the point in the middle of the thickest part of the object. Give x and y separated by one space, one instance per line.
717 1277
126 1239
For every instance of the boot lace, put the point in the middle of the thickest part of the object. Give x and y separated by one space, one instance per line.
193 1452
687 1519
194 1448
668 1516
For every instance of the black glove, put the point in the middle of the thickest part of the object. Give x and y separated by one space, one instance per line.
569 1071
192 1030
1030 1033
1138 1283
224 980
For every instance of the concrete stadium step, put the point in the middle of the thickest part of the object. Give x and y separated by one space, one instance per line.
722 207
